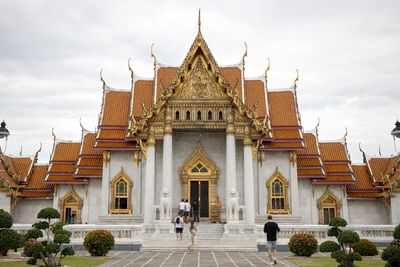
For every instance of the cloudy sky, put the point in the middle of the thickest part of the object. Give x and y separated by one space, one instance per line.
347 52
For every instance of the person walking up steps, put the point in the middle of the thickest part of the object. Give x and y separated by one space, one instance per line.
187 211
181 207
195 211
193 235
271 229
178 227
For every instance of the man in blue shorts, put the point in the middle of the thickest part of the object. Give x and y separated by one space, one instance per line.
271 229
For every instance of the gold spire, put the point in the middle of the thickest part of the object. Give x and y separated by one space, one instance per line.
199 20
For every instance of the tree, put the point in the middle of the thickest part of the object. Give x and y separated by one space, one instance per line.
9 239
49 250
345 256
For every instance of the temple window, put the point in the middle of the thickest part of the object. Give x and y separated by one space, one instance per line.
188 115
220 117
209 116
177 115
329 207
277 187
121 187
199 115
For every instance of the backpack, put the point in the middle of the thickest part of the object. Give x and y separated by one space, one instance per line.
177 220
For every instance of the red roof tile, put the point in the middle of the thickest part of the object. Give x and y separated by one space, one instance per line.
116 108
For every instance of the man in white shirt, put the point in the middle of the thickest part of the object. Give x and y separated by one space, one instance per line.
181 207
178 227
187 210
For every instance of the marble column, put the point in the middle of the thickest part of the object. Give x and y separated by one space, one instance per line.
167 174
248 179
230 182
293 185
149 178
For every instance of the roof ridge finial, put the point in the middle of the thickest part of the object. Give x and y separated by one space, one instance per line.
267 69
20 152
80 124
53 134
379 150
102 79
153 56
199 21
296 80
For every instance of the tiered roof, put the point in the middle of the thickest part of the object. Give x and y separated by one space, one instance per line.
90 160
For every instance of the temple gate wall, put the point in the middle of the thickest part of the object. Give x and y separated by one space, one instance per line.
368 212
27 209
4 201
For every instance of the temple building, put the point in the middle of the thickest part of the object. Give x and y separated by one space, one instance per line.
204 132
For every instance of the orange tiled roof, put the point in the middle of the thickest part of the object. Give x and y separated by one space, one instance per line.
37 194
63 164
4 174
109 134
282 146
310 173
66 152
116 108
233 75
282 108
22 167
164 77
254 92
311 145
37 179
337 168
143 94
111 145
363 179
88 173
308 162
366 195
287 134
88 145
378 167
333 152
91 161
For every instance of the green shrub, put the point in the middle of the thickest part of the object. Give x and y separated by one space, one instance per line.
345 259
333 232
99 242
395 243
42 225
48 213
34 233
56 227
348 237
303 245
338 222
6 220
391 254
396 232
365 248
10 239
329 246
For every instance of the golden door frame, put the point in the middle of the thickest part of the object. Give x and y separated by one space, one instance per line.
76 203
187 176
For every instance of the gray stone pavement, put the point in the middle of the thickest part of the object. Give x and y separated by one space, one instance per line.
192 259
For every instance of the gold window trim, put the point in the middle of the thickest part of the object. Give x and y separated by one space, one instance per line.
323 202
278 176
77 204
120 176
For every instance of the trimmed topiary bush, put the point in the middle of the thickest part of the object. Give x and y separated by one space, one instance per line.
6 220
99 242
10 239
34 234
396 232
365 248
329 246
348 237
391 254
49 251
303 245
338 222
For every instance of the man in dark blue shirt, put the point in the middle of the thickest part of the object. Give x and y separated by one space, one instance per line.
271 229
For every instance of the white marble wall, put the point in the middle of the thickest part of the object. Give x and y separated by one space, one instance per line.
4 201
368 212
214 144
124 159
395 208
308 199
273 159
26 210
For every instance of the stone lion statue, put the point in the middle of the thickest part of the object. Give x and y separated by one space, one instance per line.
233 205
165 205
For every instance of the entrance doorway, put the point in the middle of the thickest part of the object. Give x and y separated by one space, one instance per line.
199 191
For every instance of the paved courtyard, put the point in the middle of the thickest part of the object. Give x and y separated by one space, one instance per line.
192 259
